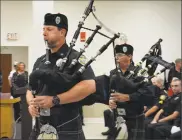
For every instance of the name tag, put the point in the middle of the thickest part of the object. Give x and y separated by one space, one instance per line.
121 111
45 112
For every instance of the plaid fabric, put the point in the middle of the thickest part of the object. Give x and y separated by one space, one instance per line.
136 128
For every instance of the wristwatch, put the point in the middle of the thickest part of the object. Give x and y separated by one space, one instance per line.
55 100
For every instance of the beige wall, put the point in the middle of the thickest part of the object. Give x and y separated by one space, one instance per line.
144 22
19 54
94 111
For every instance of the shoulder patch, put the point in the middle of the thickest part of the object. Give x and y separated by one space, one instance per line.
82 60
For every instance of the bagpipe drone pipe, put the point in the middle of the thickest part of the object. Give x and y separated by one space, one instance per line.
135 81
139 79
65 76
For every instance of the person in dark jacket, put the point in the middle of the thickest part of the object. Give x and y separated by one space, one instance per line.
19 80
65 119
175 72
133 103
166 116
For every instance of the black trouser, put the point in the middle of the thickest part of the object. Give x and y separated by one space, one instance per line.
81 113
136 127
16 106
158 131
148 121
162 132
175 136
16 110
109 119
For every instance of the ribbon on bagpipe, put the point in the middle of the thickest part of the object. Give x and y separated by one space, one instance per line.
66 77
136 79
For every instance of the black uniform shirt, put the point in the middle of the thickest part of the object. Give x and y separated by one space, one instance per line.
172 104
132 108
53 57
114 71
173 73
66 111
159 102
177 121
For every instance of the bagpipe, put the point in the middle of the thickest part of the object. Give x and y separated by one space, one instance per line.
138 80
64 70
140 76
64 76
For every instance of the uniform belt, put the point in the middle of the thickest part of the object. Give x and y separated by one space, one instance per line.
59 116
71 125
61 110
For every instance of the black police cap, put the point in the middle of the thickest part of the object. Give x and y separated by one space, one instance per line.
58 20
124 48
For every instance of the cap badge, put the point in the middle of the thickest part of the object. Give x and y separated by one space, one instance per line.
125 49
58 20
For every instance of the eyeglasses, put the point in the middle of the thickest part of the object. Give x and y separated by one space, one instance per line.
120 54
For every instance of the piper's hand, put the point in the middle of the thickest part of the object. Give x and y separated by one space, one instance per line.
33 110
119 97
44 101
112 104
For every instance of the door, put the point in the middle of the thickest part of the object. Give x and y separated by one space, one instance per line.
5 68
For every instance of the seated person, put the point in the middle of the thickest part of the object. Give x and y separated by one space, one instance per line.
169 112
161 95
173 131
176 135
175 72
